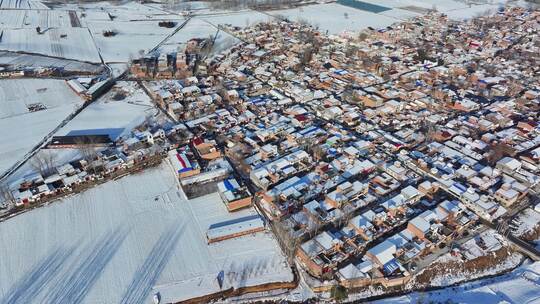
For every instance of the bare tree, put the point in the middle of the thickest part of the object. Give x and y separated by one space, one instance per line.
306 56
362 36
498 151
87 148
44 162
313 227
5 194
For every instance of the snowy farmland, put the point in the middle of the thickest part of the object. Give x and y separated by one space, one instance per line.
130 38
18 61
22 4
199 28
15 98
17 95
334 20
239 18
107 112
128 11
70 43
125 240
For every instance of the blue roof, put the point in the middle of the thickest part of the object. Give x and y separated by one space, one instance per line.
228 185
391 266
460 187
308 130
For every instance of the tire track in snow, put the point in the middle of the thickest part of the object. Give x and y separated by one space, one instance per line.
146 276
76 284
33 282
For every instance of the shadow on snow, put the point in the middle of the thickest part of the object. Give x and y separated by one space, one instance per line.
146 276
78 281
34 281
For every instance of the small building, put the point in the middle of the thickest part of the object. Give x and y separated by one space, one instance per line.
506 195
182 165
206 149
233 195
234 228
382 253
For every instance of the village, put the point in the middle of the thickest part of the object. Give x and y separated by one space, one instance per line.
381 161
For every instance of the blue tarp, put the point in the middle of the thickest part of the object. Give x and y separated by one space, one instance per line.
228 185
391 266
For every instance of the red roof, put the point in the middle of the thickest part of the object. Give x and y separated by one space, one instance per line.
300 117
197 141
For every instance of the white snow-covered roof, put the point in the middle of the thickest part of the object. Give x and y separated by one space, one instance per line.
384 252
420 223
235 226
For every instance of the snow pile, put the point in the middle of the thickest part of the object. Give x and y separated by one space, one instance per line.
452 276
527 221
518 286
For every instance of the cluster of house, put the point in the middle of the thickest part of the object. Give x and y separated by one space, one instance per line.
177 64
371 149
391 142
102 153
201 161
187 99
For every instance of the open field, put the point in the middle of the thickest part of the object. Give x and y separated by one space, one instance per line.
334 20
199 28
25 18
69 43
241 18
109 113
130 38
123 241
23 129
19 61
16 95
22 4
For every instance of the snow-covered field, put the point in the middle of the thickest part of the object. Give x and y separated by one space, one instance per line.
121 12
21 129
125 240
109 113
518 287
22 4
334 20
199 28
46 19
131 37
12 18
240 18
67 42
17 94
18 61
